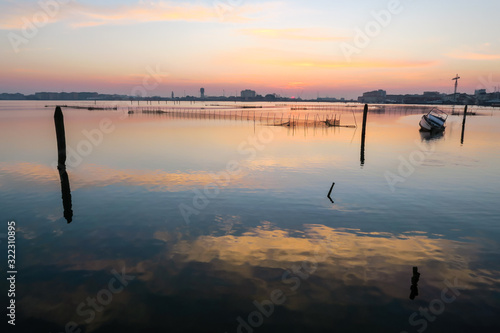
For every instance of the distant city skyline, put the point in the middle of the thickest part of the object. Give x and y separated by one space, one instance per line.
480 97
293 48
237 93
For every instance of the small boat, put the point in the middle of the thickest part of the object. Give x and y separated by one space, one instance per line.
433 121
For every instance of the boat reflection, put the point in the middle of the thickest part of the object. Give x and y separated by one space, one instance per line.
431 136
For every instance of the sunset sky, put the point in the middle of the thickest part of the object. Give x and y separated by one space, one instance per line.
293 48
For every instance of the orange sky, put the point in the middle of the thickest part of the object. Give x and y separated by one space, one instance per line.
292 48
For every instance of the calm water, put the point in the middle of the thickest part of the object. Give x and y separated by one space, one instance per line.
182 224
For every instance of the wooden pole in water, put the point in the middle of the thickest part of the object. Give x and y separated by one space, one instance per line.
330 193
61 164
363 135
61 138
66 195
463 125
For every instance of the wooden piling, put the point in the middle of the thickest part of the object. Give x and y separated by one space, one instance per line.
61 164
66 195
61 138
363 135
463 125
330 193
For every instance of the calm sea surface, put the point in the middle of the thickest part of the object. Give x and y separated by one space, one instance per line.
213 220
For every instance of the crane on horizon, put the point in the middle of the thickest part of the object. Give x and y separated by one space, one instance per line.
456 86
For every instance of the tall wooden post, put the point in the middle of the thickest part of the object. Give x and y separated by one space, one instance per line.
61 138
363 135
61 164
463 125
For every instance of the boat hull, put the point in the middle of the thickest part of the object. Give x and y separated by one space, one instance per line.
427 126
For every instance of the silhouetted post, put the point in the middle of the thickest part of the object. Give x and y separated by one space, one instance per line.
330 193
61 138
66 195
463 125
363 135
61 164
414 283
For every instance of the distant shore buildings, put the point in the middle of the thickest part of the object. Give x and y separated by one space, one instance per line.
480 97
376 97
248 94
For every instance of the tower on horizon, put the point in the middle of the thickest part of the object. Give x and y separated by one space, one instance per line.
456 78
202 92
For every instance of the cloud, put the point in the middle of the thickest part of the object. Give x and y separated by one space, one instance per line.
361 64
312 63
473 56
310 58
20 15
291 34
15 16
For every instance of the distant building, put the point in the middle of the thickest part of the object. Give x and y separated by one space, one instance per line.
47 95
326 99
481 96
173 96
432 94
63 96
270 97
202 92
395 99
377 96
248 94
432 97
16 96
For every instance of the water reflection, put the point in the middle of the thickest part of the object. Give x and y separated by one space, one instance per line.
320 267
269 227
431 136
66 195
329 196
414 283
